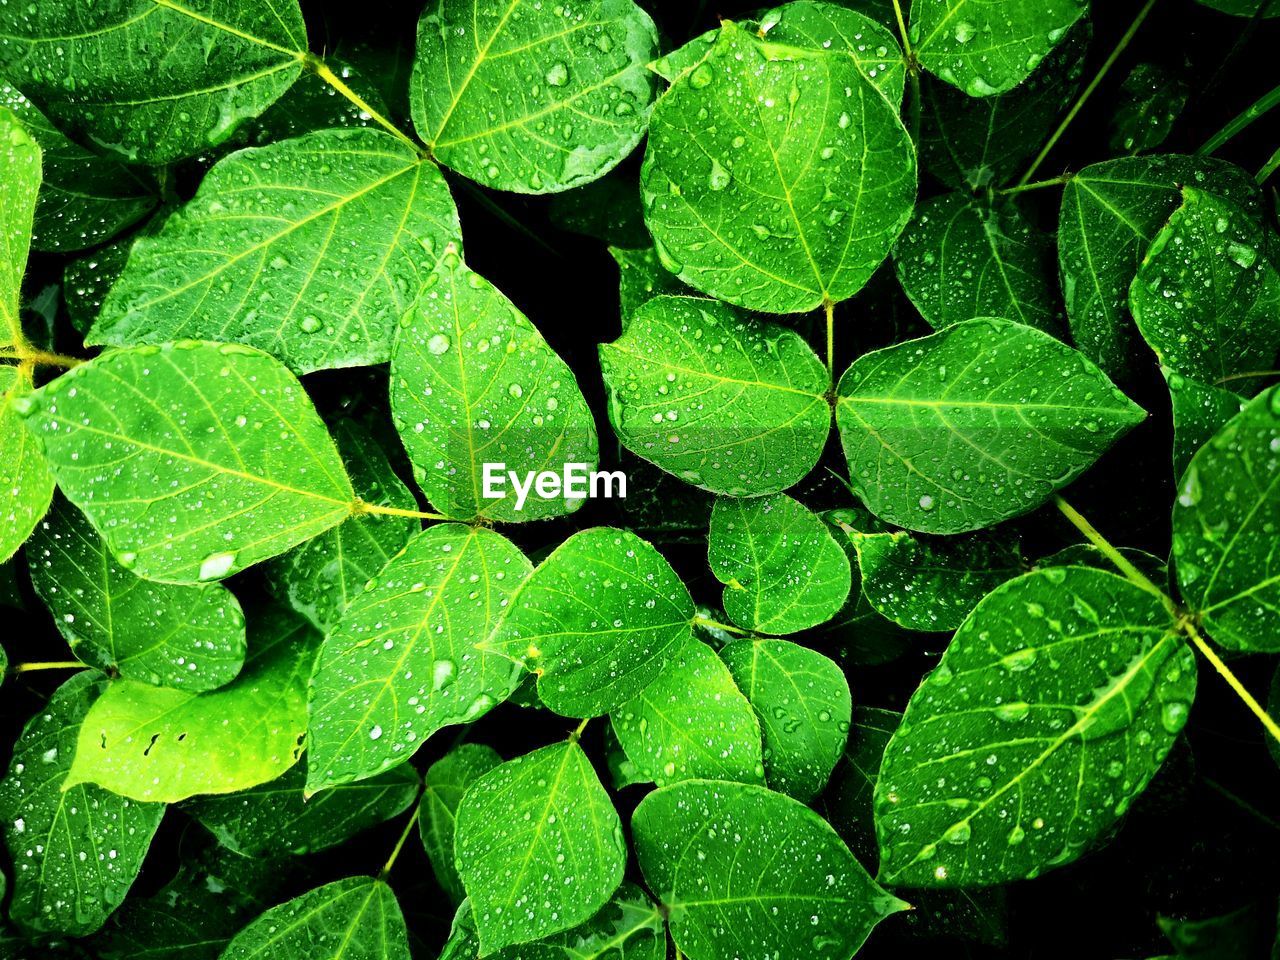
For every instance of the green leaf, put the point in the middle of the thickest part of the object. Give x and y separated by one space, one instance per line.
153 80
1199 411
776 177
1207 295
448 780
353 919
309 249
596 621
539 846
404 661
473 383
960 258
190 637
848 801
26 484
1088 555
989 48
1111 212
76 850
277 819
1245 8
156 743
1151 99
978 142
86 280
744 871
1224 529
193 460
978 423
533 97
607 209
321 577
20 175
804 705
1052 709
641 277
692 722
85 199
931 584
629 927
782 569
729 405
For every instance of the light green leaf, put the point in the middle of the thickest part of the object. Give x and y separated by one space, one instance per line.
1111 212
848 801
1051 710
1224 529
353 919
75 851
1207 296
804 705
931 584
776 177
277 819
782 569
539 846
26 483
596 621
193 460
448 780
404 661
692 722
675 63
1199 411
532 97
978 142
641 277
989 48
321 577
744 871
153 80
960 258
85 199
87 279
728 404
309 249
190 637
156 743
473 383
978 423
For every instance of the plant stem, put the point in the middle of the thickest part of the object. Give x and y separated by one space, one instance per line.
830 309
912 67
1089 90
577 731
717 625
42 358
404 835
1132 573
46 665
1251 113
322 70
1268 168
1037 185
1189 629
362 506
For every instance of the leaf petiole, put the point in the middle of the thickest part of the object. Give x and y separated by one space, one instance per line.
42 358
46 665
323 71
830 309
361 506
1268 168
1253 112
710 624
404 835
1189 630
1036 185
912 67
1132 573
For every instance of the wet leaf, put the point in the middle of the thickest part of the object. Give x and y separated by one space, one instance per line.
533 97
729 405
960 258
153 80
1050 711
803 702
641 277
1150 101
596 621
539 846
188 637
156 743
776 177
1224 529
193 460
629 927
448 780
404 662
310 249
1199 411
474 383
692 722
978 423
691 839
783 571
26 483
77 850
848 800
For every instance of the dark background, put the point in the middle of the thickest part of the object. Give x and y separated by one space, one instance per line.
1203 841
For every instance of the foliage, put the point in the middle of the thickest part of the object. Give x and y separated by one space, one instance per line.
313 648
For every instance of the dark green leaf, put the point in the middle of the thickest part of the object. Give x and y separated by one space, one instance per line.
607 209
1245 8
1199 411
641 277
448 780
629 927
849 798
1052 709
1150 102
